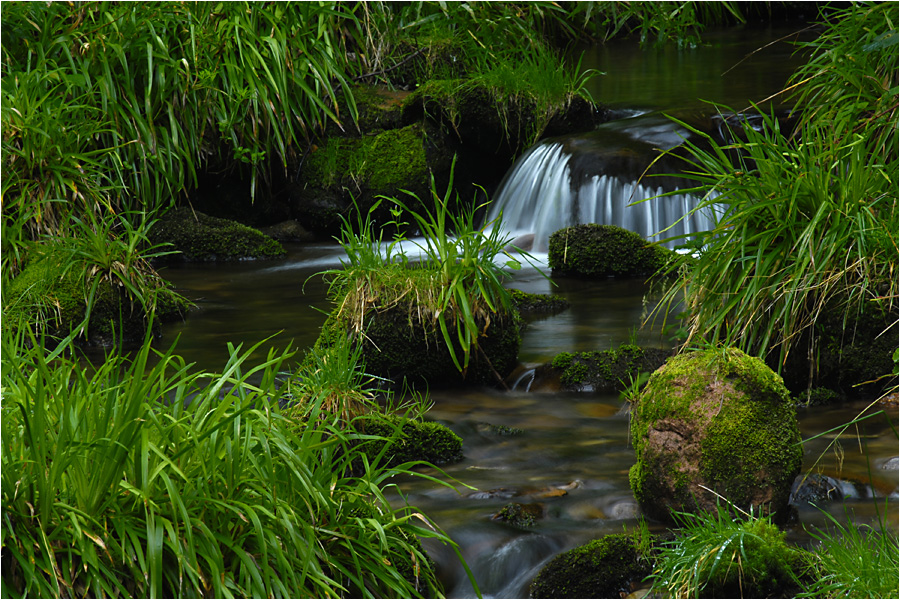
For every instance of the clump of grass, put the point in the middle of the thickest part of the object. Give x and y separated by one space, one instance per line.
119 106
140 477
100 267
716 555
854 561
806 219
455 285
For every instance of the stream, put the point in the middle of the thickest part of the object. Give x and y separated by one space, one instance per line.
567 451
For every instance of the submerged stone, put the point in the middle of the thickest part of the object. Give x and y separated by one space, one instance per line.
523 516
710 427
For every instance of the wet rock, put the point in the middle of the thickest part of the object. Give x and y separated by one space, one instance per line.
520 515
399 346
501 493
497 430
552 491
346 172
199 237
891 464
288 231
710 425
601 251
815 489
603 568
417 440
854 355
608 369
546 304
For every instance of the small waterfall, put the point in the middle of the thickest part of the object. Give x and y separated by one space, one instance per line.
592 178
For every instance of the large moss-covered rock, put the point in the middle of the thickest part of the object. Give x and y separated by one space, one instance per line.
199 237
603 568
709 424
612 369
600 251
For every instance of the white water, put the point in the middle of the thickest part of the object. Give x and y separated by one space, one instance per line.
539 197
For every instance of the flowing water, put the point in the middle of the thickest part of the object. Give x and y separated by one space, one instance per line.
567 452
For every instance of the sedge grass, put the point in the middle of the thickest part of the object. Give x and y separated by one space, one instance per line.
806 219
456 286
716 555
139 477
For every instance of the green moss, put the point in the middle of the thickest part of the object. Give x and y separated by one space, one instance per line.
527 303
51 294
607 369
418 440
600 251
203 238
603 568
384 163
736 434
523 516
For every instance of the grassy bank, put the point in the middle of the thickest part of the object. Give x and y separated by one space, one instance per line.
143 478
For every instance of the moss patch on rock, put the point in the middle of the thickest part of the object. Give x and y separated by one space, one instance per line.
417 440
199 237
345 171
51 293
481 113
600 251
521 516
603 568
715 419
399 346
533 304
608 369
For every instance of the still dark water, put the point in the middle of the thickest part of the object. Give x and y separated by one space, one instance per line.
572 443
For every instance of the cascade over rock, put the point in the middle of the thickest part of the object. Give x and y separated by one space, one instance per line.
599 177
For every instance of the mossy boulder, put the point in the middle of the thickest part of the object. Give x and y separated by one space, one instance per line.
346 171
714 424
400 346
417 440
606 370
199 237
51 294
602 568
600 251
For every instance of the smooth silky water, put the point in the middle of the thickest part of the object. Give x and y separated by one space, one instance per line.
572 454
